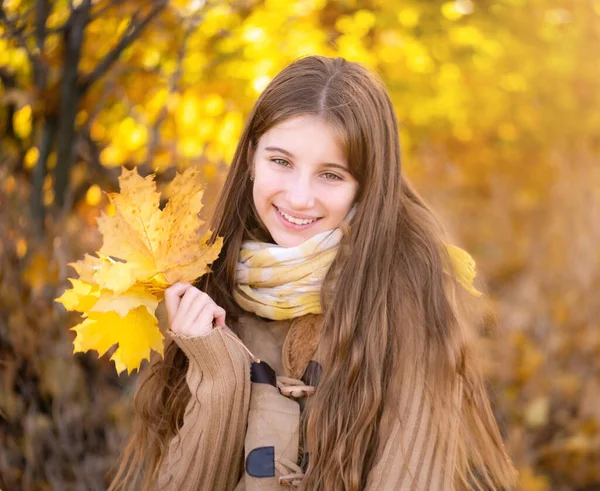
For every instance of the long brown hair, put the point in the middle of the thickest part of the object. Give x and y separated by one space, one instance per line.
394 311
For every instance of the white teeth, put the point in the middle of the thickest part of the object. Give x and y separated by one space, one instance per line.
297 221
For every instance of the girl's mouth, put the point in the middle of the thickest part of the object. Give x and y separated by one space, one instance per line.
293 222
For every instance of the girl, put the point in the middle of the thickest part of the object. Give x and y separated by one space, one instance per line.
334 274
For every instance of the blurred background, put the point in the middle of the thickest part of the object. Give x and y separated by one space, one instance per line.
498 103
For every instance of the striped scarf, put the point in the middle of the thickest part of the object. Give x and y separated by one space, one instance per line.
285 282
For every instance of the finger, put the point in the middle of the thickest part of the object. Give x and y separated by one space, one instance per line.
206 317
185 323
173 297
219 316
190 297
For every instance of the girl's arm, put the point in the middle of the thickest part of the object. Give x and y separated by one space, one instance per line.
415 454
207 452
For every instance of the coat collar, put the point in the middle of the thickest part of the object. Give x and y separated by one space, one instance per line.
288 346
301 344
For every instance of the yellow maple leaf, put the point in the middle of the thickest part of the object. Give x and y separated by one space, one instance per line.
159 241
86 268
110 274
145 250
118 276
81 297
137 333
122 303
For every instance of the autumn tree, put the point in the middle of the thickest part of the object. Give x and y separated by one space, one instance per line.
55 90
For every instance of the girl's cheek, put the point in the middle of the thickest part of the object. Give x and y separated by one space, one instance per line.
274 183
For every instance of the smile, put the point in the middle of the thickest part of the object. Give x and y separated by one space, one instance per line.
296 221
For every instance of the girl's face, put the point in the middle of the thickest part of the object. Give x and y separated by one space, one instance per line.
302 185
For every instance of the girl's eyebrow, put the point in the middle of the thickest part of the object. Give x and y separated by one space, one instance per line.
277 149
291 155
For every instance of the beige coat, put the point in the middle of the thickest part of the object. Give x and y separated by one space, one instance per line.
241 426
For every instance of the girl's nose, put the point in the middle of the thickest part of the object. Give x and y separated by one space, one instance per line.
300 195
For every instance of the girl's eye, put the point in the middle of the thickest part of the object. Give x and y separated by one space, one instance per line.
331 176
281 162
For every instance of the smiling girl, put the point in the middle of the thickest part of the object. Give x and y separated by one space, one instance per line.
335 275
302 181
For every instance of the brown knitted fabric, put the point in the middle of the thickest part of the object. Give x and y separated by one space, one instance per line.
228 416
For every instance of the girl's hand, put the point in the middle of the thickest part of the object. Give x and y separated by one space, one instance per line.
192 312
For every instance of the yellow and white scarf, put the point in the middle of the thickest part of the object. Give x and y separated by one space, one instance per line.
285 282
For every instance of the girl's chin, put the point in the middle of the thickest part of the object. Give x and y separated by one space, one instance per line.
286 238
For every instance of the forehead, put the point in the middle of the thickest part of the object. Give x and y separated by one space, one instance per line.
305 134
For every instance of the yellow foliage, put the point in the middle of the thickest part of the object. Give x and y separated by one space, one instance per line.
22 122
408 17
31 157
112 156
450 11
58 16
537 412
81 297
93 195
48 198
11 5
530 481
145 249
4 51
217 17
131 135
21 247
137 333
51 160
9 184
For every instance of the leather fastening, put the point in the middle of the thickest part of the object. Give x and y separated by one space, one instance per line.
263 459
262 373
260 462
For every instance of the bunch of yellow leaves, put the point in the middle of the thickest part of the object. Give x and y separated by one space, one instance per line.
144 251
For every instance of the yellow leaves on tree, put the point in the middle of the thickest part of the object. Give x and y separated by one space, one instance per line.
145 250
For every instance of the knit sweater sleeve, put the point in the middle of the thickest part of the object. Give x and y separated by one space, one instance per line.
415 454
207 452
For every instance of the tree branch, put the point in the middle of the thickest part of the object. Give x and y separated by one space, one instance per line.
40 70
42 10
109 5
134 30
69 99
